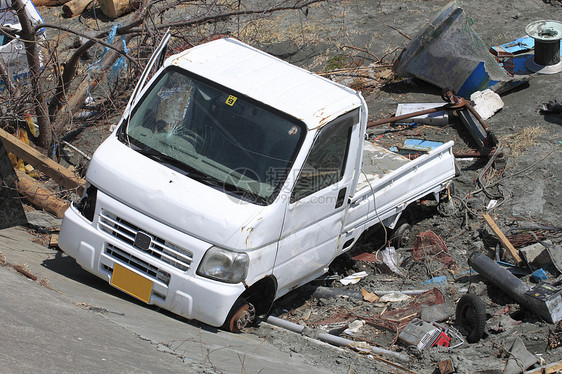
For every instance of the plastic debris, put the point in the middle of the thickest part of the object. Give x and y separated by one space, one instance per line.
354 327
390 259
353 278
440 118
491 205
436 280
421 335
539 275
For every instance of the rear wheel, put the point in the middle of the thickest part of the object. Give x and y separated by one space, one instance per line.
241 316
402 235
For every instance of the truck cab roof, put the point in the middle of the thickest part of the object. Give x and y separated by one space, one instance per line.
267 79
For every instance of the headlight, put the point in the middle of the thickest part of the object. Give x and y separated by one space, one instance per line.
224 265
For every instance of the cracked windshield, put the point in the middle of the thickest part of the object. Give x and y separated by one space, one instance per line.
216 136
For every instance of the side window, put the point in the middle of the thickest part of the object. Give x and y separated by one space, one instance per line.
325 164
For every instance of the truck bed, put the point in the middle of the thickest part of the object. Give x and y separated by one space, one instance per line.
389 182
377 161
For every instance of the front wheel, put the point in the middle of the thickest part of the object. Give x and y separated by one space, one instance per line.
241 316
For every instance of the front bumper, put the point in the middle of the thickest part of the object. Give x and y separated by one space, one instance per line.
170 263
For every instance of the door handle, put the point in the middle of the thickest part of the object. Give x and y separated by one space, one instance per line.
341 197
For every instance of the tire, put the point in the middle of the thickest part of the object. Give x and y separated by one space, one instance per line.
471 314
402 236
241 316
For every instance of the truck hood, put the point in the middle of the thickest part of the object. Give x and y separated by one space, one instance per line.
201 211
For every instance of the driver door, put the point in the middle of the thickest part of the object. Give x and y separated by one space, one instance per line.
318 203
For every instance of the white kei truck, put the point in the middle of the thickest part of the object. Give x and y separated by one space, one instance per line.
232 178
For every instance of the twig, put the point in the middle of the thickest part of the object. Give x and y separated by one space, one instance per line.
21 270
362 50
400 32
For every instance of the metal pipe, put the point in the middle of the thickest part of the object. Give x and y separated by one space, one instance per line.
408 115
336 340
499 276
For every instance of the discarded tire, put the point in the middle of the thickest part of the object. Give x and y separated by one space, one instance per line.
471 314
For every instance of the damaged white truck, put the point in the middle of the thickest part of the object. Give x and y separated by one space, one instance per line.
232 178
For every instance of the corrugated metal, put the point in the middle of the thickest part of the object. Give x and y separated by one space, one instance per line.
293 90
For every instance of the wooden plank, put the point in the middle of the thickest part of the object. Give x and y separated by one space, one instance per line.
59 173
548 369
54 240
506 243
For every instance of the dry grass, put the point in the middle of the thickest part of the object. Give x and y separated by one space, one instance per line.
520 141
2 259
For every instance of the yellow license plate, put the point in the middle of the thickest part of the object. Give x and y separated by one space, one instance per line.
132 283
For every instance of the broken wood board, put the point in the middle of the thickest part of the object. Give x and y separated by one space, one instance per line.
506 243
548 369
59 173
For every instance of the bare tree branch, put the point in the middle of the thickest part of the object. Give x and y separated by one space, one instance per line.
96 40
28 36
8 80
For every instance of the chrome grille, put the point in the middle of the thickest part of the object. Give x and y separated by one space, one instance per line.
159 248
137 263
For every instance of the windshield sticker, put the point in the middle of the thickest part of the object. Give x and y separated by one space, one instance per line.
231 100
293 130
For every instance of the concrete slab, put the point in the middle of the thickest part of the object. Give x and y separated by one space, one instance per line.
97 327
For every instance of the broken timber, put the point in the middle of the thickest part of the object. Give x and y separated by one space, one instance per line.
40 196
506 243
549 369
59 173
74 8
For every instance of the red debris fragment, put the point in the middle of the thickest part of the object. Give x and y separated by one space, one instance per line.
429 245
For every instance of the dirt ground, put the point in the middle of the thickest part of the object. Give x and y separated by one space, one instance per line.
360 40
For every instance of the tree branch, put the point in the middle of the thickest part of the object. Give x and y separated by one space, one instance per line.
92 38
28 37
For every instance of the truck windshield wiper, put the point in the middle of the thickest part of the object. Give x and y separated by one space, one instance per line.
245 194
158 156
